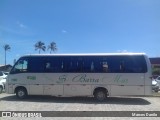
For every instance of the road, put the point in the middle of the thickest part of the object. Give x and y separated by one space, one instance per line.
48 103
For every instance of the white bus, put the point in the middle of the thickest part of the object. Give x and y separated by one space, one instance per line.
98 75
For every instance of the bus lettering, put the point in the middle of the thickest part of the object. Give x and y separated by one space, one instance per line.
62 79
84 78
119 80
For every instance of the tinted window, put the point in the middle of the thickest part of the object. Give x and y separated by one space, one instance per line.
84 64
36 64
45 64
72 64
127 64
21 66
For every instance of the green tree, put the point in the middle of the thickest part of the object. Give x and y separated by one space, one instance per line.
6 48
40 46
156 71
52 47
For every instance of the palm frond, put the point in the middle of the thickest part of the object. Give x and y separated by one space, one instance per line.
52 47
40 46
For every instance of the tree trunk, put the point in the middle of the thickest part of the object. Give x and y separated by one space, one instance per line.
5 57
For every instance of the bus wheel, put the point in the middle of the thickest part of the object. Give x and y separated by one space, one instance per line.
156 90
21 93
1 89
100 95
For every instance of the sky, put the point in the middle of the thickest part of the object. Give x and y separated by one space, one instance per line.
79 26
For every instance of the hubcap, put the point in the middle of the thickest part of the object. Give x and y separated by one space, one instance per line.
21 93
101 96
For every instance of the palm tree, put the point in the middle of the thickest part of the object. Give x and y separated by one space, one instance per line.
52 47
6 48
40 46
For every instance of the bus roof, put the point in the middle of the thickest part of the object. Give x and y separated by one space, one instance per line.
86 54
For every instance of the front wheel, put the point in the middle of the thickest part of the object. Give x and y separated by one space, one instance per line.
21 93
100 95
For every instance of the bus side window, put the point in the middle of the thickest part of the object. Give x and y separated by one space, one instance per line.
105 66
122 66
62 66
80 66
47 67
71 67
92 66
54 66
66 65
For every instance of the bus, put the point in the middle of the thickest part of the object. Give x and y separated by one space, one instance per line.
97 75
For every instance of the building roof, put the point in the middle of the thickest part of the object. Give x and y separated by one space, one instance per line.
4 68
155 60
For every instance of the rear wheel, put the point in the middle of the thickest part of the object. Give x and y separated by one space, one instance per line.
21 93
156 91
1 89
100 95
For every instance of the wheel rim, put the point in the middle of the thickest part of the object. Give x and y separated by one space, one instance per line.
100 95
21 93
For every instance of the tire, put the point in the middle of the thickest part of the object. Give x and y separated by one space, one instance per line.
100 95
21 93
155 90
1 89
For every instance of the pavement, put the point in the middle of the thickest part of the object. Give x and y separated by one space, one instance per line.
9 102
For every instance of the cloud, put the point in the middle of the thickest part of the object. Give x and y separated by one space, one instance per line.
21 25
64 31
17 28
